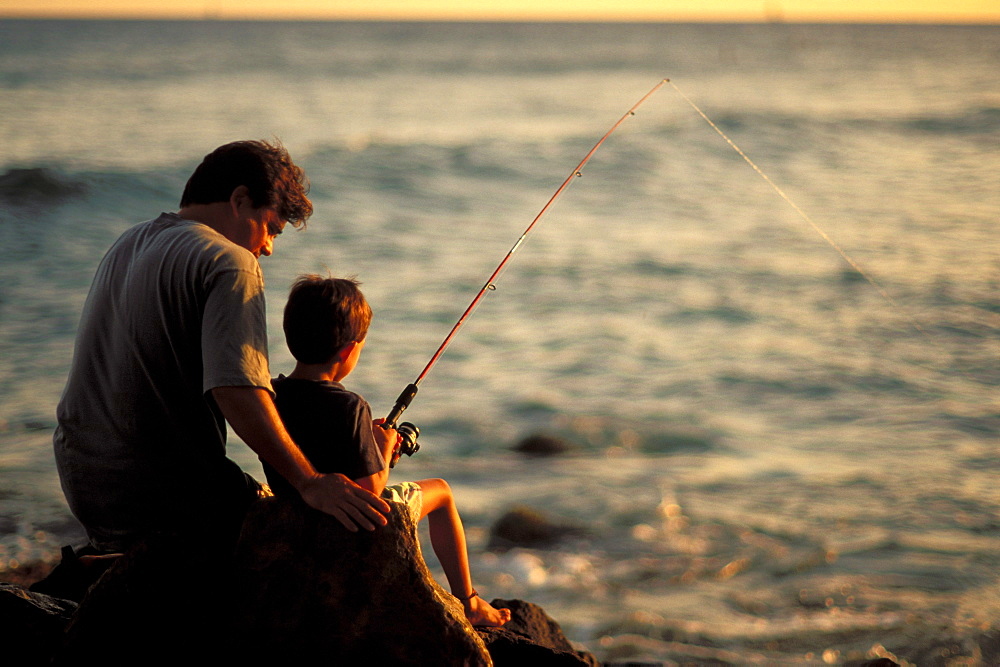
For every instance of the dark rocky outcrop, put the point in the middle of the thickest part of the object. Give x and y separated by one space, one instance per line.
74 575
538 445
159 604
523 526
299 586
31 623
531 637
308 586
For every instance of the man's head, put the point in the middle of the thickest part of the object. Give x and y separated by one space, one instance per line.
322 316
267 172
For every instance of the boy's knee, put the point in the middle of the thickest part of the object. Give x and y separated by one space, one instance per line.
437 493
438 485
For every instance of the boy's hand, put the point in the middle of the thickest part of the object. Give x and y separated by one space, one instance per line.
387 439
347 502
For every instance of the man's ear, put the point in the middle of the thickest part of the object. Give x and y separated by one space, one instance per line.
240 197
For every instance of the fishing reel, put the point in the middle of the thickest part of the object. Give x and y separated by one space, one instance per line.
407 444
408 432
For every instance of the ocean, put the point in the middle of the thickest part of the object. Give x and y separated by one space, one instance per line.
773 461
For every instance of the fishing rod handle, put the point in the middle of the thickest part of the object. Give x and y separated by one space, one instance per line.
402 402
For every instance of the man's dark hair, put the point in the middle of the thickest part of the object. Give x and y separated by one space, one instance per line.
322 316
267 171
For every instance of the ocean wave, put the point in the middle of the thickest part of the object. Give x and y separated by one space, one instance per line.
758 386
984 425
722 312
733 121
672 439
38 184
507 158
38 187
462 174
979 120
396 165
652 267
972 121
983 120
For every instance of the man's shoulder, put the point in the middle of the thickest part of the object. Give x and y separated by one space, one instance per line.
170 232
164 223
199 248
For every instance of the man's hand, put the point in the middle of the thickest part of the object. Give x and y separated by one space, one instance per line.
338 496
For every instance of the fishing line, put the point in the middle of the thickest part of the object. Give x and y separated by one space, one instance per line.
409 433
409 445
819 230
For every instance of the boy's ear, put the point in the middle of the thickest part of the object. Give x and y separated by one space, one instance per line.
344 352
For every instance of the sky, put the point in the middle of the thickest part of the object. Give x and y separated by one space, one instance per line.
953 11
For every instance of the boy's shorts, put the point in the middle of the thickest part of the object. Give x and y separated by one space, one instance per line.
408 493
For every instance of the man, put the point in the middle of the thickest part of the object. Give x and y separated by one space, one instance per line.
172 343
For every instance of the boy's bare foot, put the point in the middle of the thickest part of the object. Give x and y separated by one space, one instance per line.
482 614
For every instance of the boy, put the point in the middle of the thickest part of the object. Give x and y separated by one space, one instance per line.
326 321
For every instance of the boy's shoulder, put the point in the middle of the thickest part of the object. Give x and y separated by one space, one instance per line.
293 389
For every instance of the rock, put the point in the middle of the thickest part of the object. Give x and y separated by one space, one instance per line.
526 527
31 623
308 587
299 586
159 604
73 577
531 637
543 445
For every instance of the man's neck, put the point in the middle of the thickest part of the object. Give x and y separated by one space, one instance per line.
216 215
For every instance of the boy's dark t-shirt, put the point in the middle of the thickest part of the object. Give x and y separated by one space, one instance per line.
331 425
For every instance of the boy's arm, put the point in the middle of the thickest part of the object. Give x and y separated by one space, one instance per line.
386 439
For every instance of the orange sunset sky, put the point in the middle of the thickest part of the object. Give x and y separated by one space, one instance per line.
954 11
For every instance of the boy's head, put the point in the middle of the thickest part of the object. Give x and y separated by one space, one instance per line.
322 316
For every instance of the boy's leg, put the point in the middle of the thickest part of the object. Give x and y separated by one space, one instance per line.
448 542
447 534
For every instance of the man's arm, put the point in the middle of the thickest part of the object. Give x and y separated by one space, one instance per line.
252 414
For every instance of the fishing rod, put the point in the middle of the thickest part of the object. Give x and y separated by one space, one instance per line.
408 432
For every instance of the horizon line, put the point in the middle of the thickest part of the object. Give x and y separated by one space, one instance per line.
693 19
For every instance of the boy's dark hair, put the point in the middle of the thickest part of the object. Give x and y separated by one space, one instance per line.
267 171
323 315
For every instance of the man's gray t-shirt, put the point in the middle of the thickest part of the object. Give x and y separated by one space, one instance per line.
175 310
